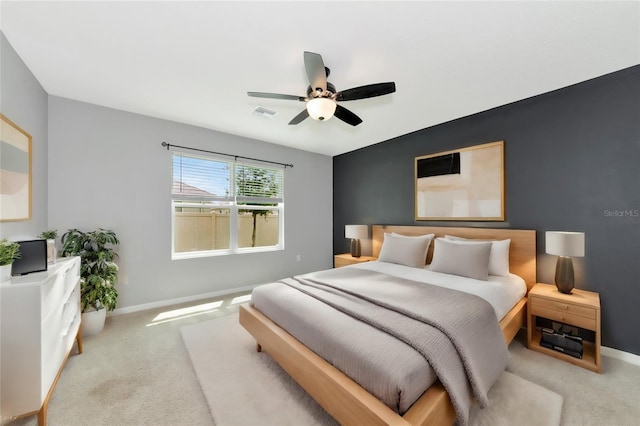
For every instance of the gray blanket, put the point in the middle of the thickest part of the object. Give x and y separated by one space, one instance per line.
456 332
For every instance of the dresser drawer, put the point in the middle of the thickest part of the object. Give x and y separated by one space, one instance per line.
59 342
579 316
51 331
57 288
52 294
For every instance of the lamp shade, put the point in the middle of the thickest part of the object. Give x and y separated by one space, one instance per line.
359 232
321 108
560 243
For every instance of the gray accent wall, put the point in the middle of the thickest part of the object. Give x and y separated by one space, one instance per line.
572 164
24 102
107 169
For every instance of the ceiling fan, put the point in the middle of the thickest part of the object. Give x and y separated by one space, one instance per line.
322 98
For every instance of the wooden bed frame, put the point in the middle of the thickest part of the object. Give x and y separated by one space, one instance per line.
343 398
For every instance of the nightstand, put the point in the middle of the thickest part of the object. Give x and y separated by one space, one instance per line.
345 259
581 308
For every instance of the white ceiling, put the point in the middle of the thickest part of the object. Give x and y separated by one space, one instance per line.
193 62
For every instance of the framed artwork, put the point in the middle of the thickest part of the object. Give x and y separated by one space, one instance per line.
462 184
15 172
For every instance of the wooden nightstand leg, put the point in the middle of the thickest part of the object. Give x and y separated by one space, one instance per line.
530 326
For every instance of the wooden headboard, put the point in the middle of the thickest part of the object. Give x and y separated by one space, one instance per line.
522 250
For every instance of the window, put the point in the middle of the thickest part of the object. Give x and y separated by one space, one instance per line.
224 207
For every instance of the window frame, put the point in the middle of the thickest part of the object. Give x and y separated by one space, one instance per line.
230 203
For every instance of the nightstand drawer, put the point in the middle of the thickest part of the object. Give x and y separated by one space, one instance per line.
564 316
562 307
340 260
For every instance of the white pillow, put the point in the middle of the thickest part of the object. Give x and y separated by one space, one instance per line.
467 260
403 250
428 236
499 259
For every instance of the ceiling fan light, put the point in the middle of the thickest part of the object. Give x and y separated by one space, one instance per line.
321 108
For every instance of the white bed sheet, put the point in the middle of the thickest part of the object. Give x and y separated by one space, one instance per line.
501 292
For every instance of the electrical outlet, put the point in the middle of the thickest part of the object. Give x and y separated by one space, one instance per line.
298 258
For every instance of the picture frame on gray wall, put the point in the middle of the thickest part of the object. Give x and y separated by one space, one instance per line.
15 172
461 184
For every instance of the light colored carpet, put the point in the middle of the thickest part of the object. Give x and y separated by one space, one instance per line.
137 372
244 387
590 399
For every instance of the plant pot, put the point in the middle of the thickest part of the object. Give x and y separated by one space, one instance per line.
5 273
93 322
52 252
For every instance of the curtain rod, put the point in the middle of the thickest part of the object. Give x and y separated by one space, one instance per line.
168 145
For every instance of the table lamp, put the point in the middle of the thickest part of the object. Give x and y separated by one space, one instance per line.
565 245
356 233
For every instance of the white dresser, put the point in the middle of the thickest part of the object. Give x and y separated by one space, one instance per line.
40 319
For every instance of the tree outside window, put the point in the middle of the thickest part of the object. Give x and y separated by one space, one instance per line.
256 182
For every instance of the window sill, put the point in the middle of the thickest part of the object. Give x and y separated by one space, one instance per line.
200 254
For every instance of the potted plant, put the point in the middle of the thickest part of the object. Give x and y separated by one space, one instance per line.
52 252
49 235
9 251
98 274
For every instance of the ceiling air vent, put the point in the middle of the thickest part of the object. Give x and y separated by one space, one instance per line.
264 112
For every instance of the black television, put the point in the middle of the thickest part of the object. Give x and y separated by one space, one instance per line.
33 257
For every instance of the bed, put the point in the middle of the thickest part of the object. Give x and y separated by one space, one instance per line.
346 400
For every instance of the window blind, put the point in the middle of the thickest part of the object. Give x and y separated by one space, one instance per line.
257 184
208 178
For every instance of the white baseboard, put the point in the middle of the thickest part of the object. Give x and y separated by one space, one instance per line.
621 355
163 303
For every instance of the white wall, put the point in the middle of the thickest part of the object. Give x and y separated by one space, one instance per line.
107 169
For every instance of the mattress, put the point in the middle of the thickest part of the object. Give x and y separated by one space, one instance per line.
386 367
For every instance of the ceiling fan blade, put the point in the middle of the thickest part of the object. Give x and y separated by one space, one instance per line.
316 73
368 91
276 96
300 117
347 116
